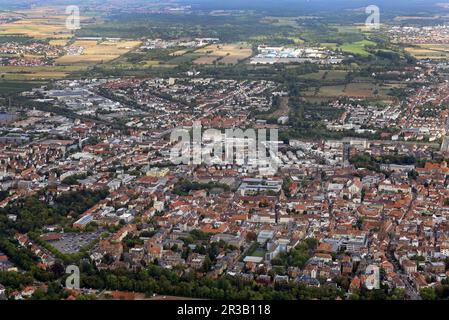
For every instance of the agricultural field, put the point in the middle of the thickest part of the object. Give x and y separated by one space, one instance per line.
10 87
178 53
281 21
48 25
17 73
36 28
45 25
360 90
358 47
320 75
330 75
157 58
326 75
95 52
330 45
223 54
40 23
429 51
335 75
187 57
58 42
34 76
436 47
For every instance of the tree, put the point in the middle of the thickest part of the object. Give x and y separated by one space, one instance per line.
251 236
428 294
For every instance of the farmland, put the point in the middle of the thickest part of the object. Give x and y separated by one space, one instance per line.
40 23
97 52
358 47
36 28
36 73
429 51
10 87
360 90
326 75
223 54
37 25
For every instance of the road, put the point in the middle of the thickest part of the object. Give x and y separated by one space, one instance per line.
410 290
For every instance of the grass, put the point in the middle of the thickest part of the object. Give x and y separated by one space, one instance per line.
34 76
49 23
330 45
326 75
186 58
59 42
40 23
11 87
97 52
332 91
358 48
336 75
437 47
296 40
314 76
224 53
362 90
281 21
256 251
428 51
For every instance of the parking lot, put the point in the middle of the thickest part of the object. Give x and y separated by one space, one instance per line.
73 242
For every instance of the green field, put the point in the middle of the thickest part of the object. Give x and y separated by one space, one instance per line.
11 87
314 76
361 90
333 75
326 75
358 47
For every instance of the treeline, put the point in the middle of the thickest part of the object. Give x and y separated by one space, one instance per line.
24 260
307 121
19 39
35 212
298 256
156 280
364 160
3 195
72 180
438 292
289 75
318 32
184 187
166 26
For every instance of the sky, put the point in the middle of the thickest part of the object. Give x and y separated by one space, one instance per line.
305 6
313 4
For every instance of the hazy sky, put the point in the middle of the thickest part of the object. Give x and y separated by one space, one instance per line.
294 5
313 3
